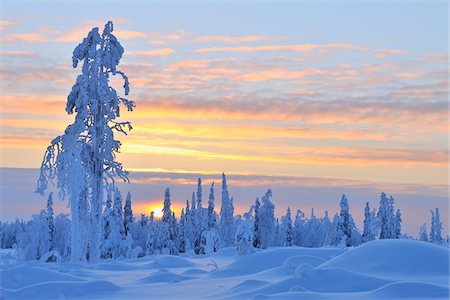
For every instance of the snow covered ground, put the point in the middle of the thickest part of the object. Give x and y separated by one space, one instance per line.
383 269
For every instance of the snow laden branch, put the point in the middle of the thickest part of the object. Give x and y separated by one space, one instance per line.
83 159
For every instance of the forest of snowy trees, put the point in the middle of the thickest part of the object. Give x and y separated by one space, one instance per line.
199 229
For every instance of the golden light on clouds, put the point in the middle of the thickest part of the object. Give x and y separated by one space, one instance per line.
256 102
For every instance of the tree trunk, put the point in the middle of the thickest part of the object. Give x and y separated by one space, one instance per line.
97 188
75 234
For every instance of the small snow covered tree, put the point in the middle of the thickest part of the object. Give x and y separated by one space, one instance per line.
386 217
423 235
34 241
188 229
127 214
226 216
199 194
166 237
256 230
117 233
299 234
201 222
326 228
345 220
244 238
286 229
212 216
267 223
51 226
369 233
61 240
398 225
181 239
167 213
83 158
211 241
436 227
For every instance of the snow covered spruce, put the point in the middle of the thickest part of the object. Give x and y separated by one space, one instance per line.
83 158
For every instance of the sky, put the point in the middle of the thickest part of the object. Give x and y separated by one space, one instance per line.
312 99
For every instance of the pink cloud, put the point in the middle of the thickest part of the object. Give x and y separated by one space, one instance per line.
235 39
23 37
155 52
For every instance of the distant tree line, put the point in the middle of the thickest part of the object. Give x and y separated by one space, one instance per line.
201 230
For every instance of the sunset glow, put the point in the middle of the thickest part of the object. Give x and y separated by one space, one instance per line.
293 99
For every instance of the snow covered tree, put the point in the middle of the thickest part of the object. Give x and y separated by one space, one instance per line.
286 229
84 156
299 234
267 223
212 216
369 233
436 227
345 221
211 241
61 239
398 225
188 229
117 234
166 237
181 239
127 214
386 217
226 221
199 194
256 230
138 232
51 226
167 213
423 235
244 238
326 229
201 222
34 241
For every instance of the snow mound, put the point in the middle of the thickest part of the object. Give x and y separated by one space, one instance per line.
62 290
304 270
410 290
270 258
194 272
247 285
294 261
165 276
26 274
394 258
323 281
170 261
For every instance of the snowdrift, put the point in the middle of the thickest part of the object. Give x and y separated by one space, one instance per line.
394 258
386 269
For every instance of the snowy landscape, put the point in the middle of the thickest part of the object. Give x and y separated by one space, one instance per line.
382 269
103 247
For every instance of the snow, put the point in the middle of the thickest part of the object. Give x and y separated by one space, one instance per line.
381 269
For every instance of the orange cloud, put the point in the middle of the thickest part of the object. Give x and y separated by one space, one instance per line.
235 39
5 24
18 53
161 38
299 48
284 73
156 52
23 37
33 104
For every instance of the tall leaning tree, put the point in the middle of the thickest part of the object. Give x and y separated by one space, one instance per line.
83 159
